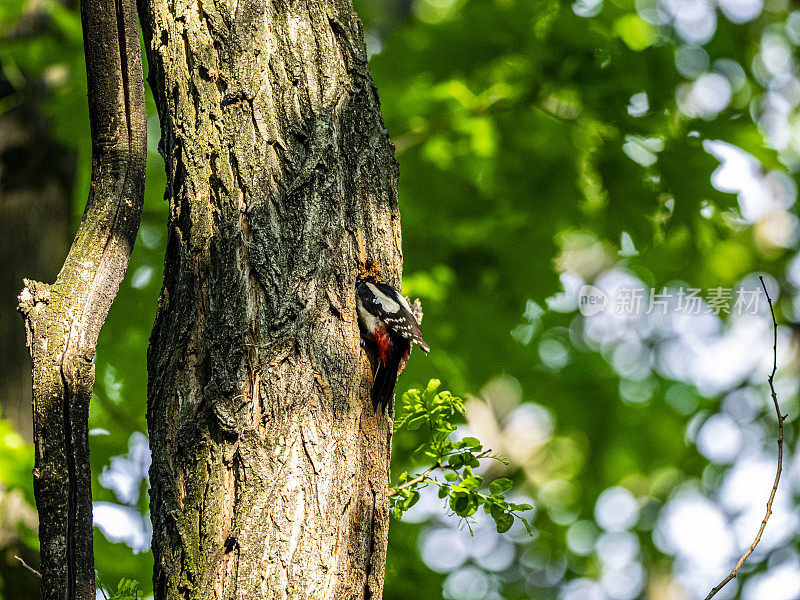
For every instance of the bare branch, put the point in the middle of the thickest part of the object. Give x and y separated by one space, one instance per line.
781 419
27 566
418 479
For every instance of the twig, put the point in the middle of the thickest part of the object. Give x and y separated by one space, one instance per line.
438 465
27 566
781 419
416 480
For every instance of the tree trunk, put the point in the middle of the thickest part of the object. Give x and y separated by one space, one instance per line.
270 463
63 320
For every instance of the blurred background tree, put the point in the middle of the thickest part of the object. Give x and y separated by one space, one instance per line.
648 148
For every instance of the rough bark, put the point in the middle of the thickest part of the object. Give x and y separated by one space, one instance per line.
63 320
270 463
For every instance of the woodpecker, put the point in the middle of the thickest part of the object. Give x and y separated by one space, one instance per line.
387 322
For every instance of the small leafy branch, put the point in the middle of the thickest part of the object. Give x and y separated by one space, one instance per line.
127 589
436 412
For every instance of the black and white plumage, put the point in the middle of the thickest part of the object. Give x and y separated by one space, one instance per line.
387 322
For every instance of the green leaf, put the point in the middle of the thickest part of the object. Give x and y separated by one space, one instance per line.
450 476
527 525
411 500
499 486
456 461
459 503
496 511
472 482
471 508
503 522
430 389
417 422
473 443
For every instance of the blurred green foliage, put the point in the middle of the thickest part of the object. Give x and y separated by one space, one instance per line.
15 469
540 143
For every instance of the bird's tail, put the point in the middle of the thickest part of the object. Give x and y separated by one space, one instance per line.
385 380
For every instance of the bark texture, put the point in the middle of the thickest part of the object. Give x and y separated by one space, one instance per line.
270 463
63 320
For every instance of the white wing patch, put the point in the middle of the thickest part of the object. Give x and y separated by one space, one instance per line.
387 304
404 302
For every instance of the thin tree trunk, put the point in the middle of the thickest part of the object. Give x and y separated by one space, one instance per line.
63 320
270 463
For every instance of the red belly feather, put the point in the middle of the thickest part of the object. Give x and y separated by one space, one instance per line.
384 343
